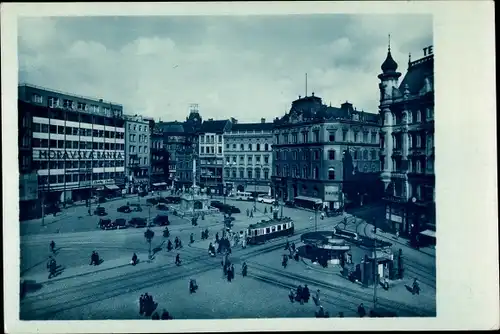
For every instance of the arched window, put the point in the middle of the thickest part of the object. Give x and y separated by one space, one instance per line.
365 155
266 147
257 173
331 173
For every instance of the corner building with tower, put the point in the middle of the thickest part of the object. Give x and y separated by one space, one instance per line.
407 145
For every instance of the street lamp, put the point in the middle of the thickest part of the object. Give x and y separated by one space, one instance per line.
228 164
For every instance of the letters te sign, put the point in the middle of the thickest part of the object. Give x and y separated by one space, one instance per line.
428 51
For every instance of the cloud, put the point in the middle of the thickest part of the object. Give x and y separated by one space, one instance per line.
245 68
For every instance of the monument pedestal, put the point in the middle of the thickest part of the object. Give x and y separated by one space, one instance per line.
194 204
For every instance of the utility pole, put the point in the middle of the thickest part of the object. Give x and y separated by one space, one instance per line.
315 217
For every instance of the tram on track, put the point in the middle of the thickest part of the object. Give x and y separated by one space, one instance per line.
269 229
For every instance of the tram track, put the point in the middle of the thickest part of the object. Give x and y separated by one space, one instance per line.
347 295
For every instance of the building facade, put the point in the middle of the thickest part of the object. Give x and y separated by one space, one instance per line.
211 154
159 159
248 157
189 150
137 154
320 152
77 144
407 148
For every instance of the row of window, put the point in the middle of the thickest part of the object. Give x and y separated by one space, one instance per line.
210 139
138 161
66 178
55 102
58 164
76 145
141 149
142 138
358 137
411 117
139 173
414 165
332 155
295 172
232 160
210 150
258 146
72 131
415 140
139 128
250 174
74 116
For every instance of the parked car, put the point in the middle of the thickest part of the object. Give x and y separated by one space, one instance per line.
136 207
120 223
162 207
138 222
226 208
104 224
216 204
124 209
161 220
266 199
100 211
143 193
152 201
162 200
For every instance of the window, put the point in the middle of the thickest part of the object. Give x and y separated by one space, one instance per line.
220 149
419 116
331 137
145 161
294 138
316 155
234 146
294 155
277 170
202 139
419 167
227 147
374 137
355 137
316 135
45 128
419 141
277 139
356 155
257 173
53 129
365 137
202 149
266 159
331 173
344 135
227 159
53 102
140 149
331 154
266 147
242 174
249 147
365 155
258 147
266 174
250 159
305 137
242 148
36 98
315 173
36 127
81 106
304 172
219 138
374 155
257 158
234 159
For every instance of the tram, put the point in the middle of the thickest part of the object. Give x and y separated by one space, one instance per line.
269 229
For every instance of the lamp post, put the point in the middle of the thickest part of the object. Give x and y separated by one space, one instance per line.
228 164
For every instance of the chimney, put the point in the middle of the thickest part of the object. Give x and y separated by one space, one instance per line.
210 119
262 120
234 120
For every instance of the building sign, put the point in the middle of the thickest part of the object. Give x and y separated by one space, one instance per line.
82 155
331 193
28 187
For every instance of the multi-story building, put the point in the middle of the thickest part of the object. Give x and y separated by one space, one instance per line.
248 157
137 153
211 154
159 159
188 151
317 150
173 142
407 148
77 143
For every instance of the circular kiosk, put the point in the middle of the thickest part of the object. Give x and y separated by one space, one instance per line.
321 245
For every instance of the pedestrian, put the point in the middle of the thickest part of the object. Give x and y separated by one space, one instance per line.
165 315
291 296
361 310
316 298
155 316
141 305
232 271
341 314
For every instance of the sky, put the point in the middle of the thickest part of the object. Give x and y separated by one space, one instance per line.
246 67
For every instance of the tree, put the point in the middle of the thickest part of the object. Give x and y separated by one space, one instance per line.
149 234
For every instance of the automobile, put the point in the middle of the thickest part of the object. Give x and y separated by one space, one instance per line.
162 207
161 220
173 199
152 201
135 207
216 204
104 224
162 200
101 199
266 199
225 208
124 209
138 222
100 211
120 223
143 193
51 209
290 204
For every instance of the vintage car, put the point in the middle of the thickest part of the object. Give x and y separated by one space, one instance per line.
120 223
124 209
152 201
104 224
135 207
161 220
162 200
100 211
137 222
216 204
266 199
162 207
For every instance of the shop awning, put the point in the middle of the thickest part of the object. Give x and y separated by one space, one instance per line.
309 199
429 233
159 184
112 187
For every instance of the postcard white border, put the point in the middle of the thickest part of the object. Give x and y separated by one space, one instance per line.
467 251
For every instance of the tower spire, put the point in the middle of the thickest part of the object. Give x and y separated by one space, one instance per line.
306 85
389 48
409 59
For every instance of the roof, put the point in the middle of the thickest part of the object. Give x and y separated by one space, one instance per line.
389 65
213 126
252 127
171 127
271 222
418 71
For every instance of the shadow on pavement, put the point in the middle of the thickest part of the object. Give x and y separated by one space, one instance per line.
28 286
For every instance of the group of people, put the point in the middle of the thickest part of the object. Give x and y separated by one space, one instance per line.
146 304
293 251
51 267
228 270
178 244
301 295
204 234
164 316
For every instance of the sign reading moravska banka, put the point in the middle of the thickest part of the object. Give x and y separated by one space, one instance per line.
82 155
